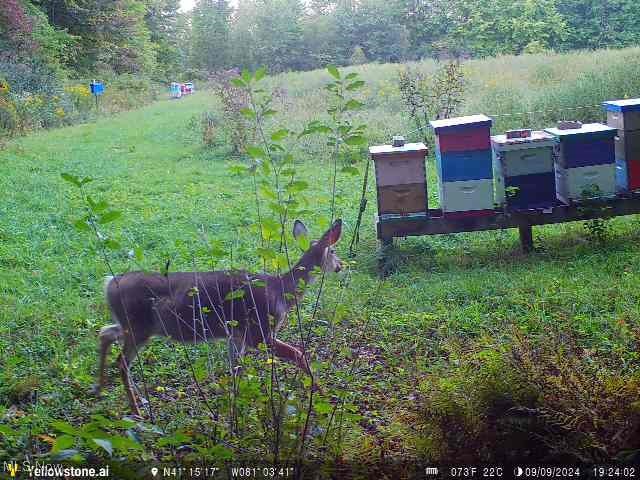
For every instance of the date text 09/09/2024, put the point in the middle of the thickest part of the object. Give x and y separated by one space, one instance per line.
537 471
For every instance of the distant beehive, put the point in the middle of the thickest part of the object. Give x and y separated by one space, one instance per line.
464 164
524 171
585 161
624 115
176 91
400 177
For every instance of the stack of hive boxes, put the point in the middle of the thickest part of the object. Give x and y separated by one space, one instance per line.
584 161
524 171
464 164
400 178
624 115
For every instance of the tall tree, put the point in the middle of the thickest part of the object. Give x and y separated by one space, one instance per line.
163 22
210 34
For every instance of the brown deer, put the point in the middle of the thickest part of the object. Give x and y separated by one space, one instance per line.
244 308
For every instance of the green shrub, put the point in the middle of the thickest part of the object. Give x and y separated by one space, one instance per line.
545 402
8 117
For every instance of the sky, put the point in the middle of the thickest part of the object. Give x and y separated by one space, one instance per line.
187 4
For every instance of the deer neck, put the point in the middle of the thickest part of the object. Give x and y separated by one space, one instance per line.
301 275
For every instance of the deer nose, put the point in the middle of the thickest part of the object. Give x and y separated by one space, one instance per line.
338 267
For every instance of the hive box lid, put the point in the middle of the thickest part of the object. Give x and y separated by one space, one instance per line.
628 105
587 129
538 138
391 150
460 122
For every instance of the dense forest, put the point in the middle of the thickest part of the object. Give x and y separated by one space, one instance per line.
156 39
51 49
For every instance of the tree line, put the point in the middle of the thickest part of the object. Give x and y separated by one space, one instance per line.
154 38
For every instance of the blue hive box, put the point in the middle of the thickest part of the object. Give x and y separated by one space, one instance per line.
623 114
464 163
524 171
585 162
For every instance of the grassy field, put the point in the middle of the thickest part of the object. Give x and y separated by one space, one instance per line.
430 363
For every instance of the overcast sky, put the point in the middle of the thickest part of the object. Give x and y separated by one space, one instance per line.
187 4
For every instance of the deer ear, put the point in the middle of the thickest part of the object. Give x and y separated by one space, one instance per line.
299 230
333 234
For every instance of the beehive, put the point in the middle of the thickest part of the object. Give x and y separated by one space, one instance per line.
464 163
624 115
524 171
400 178
584 161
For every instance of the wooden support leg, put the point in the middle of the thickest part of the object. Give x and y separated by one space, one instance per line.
526 238
384 266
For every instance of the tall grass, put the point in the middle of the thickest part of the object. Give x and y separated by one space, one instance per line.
507 87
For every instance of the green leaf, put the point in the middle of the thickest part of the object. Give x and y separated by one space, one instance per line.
246 76
297 186
248 113
266 253
277 208
235 294
333 71
8 432
121 443
256 152
82 225
138 253
238 82
70 454
105 444
268 192
269 112
355 140
303 242
63 442
177 439
71 179
351 170
323 408
112 244
351 76
220 453
279 135
353 104
97 207
64 427
238 169
200 368
260 74
109 217
355 85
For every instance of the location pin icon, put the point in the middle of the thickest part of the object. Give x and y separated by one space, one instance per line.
154 471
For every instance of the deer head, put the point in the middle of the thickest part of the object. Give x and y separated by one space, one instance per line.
321 253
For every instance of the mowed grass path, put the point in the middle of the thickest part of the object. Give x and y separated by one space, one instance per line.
448 293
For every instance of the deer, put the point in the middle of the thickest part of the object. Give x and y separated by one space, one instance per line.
244 308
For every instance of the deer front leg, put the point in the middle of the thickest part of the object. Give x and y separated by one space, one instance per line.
291 354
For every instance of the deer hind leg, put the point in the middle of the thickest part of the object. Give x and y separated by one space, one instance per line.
291 354
129 352
107 337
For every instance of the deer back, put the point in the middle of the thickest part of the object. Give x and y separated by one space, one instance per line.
198 306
